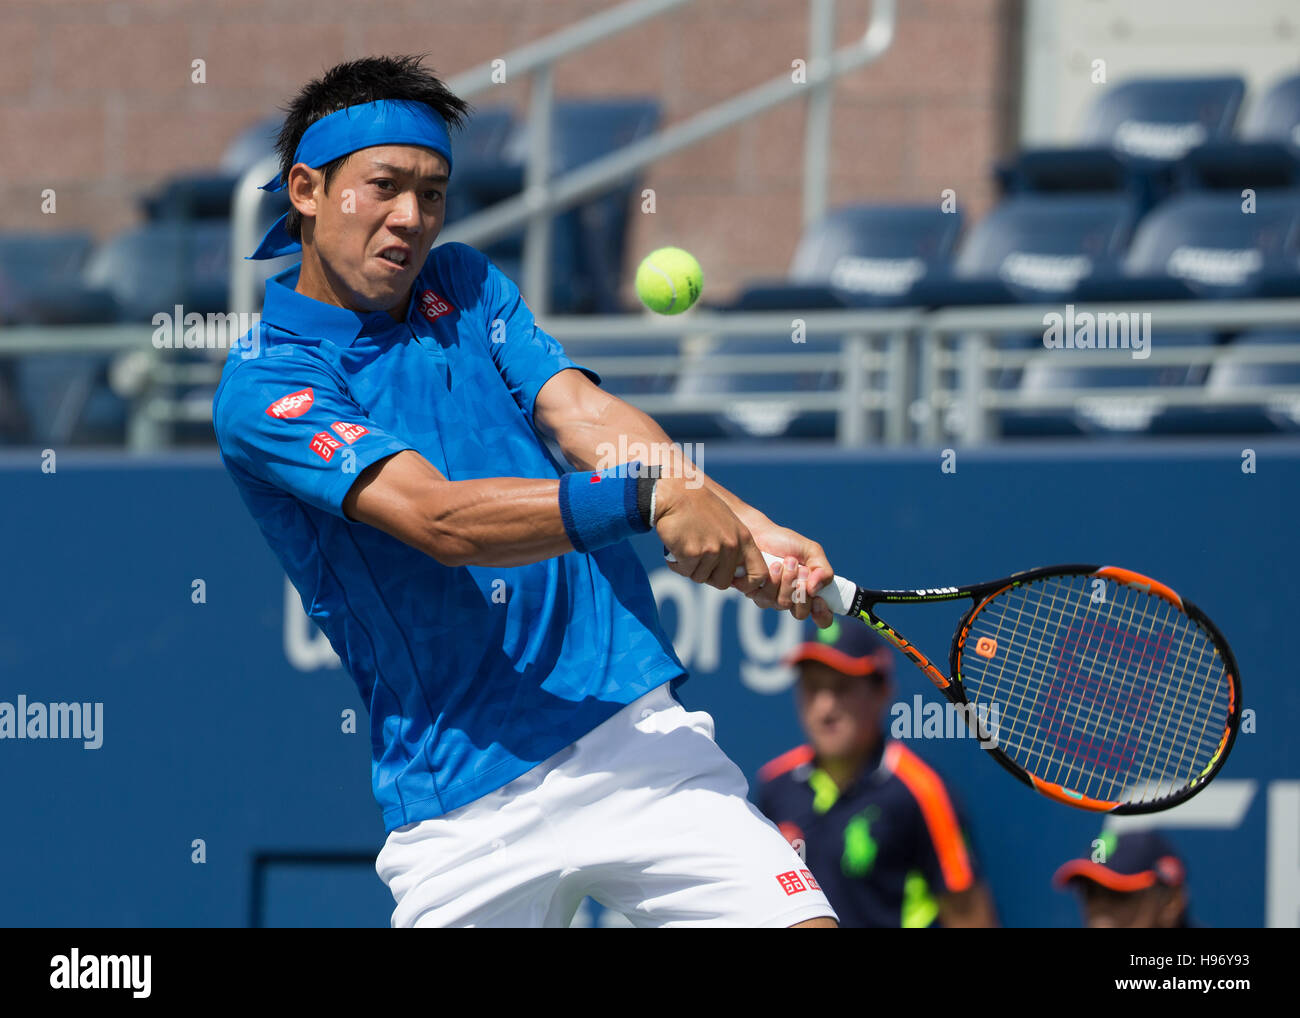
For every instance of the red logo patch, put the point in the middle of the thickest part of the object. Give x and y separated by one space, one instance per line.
293 405
348 432
809 880
434 307
790 882
324 444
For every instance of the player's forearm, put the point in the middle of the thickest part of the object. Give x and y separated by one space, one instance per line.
591 443
504 521
497 521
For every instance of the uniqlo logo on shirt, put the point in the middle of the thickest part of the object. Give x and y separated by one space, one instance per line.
348 432
293 405
809 880
432 306
790 882
324 444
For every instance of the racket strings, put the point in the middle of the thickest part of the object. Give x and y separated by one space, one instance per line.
1076 714
1122 699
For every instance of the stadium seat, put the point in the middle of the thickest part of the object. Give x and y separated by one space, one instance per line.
644 383
1131 138
1276 116
40 280
861 255
153 267
1161 119
1036 247
1232 374
747 418
590 238
192 196
1105 414
1202 244
68 400
1267 154
484 172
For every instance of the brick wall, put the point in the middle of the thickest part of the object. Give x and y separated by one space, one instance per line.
96 100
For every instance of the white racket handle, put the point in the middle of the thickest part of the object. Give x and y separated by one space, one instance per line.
838 594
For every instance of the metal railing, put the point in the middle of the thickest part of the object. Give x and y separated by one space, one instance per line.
901 376
543 197
959 397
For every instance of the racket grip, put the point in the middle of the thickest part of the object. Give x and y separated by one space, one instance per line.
838 594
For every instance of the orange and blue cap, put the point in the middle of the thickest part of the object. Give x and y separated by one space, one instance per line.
847 647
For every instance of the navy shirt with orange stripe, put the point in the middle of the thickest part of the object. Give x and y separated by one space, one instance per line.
883 850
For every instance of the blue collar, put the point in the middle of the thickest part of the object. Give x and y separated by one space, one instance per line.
290 311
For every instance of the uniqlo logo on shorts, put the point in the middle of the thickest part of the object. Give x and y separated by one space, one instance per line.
432 306
293 405
324 444
348 432
790 882
810 880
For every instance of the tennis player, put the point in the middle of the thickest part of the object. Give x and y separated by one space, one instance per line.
387 437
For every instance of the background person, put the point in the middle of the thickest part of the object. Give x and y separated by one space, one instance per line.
879 830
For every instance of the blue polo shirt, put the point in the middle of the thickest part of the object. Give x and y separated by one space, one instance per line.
475 674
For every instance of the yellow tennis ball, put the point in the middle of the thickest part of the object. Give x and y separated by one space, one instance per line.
669 280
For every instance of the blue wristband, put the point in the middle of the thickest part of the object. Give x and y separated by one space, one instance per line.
599 507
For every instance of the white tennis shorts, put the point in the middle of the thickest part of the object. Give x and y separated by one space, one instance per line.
645 814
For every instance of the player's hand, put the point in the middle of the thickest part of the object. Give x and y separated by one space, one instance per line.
708 540
793 584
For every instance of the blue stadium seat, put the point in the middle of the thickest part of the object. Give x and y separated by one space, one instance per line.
486 170
192 196
1103 415
1267 154
590 238
1161 119
1231 374
68 400
1131 138
153 267
1037 247
641 384
861 255
741 418
1204 244
1276 116
40 280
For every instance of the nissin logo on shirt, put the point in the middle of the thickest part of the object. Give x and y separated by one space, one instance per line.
434 307
293 405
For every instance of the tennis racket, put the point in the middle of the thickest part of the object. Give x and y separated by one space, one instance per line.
1110 691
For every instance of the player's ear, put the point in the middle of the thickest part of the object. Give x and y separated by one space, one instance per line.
302 189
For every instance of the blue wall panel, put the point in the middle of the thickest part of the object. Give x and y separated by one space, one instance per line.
220 722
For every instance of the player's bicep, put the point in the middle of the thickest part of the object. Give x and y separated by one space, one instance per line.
395 495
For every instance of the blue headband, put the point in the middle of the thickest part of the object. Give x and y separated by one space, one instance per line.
386 122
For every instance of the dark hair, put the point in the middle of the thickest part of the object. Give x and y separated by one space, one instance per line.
369 79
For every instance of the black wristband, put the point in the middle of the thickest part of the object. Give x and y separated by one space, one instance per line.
645 486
